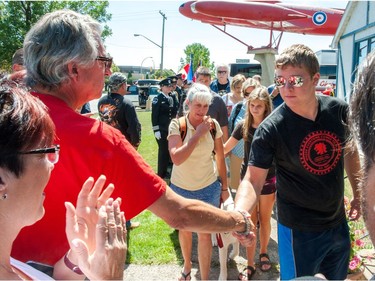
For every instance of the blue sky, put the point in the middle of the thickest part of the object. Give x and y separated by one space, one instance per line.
142 17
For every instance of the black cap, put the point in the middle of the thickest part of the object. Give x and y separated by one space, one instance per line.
179 76
173 78
165 82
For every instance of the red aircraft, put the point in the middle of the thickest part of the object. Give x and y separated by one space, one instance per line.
270 15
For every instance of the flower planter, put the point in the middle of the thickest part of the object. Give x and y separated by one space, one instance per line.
358 275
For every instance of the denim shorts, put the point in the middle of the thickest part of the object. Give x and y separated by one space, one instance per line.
209 194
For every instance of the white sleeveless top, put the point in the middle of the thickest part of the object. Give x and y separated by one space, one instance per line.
30 271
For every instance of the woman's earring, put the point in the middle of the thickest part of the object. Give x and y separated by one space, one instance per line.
5 196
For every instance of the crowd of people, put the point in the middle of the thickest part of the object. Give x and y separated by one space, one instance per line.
290 145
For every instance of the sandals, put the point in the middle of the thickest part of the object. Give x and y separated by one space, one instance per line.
264 262
245 275
184 276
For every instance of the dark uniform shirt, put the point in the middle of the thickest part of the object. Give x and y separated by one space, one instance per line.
164 109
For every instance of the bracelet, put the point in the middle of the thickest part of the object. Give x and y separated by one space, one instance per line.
247 219
71 265
224 189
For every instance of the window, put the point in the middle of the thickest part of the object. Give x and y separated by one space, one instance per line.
246 69
362 48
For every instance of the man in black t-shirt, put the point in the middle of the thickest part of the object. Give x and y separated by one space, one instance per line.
306 138
118 111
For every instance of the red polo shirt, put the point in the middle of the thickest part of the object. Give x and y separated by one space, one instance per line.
88 148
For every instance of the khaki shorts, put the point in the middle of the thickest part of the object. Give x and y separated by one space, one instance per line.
235 170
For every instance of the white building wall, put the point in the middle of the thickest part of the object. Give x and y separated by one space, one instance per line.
355 30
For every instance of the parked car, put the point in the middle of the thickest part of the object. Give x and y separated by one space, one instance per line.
142 90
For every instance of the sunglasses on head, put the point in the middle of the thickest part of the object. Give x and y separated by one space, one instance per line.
294 81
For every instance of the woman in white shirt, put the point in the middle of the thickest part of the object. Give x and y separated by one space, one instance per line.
232 98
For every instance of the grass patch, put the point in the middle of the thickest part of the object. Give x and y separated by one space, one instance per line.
154 242
148 147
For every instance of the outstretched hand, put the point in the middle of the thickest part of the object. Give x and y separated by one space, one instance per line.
81 221
108 260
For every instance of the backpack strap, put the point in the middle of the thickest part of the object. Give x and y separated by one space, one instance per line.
182 127
236 111
213 131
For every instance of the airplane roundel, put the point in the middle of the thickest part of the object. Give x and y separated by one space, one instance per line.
319 18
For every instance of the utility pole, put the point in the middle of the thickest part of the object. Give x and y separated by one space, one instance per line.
162 43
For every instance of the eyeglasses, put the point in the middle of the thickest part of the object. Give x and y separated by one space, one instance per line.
221 71
107 61
294 81
52 153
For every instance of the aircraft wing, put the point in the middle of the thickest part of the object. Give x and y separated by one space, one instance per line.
270 15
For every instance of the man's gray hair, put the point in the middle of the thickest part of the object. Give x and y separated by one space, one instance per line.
222 65
57 39
116 80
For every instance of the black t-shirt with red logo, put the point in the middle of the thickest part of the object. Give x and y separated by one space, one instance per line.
309 157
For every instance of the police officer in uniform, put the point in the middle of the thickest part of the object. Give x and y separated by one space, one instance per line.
164 109
174 87
179 84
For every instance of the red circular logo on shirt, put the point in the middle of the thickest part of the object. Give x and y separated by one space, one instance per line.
320 152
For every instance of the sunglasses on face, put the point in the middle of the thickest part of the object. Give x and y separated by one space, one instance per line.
221 71
107 61
294 81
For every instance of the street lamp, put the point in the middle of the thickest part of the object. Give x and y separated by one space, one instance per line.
162 42
161 47
143 62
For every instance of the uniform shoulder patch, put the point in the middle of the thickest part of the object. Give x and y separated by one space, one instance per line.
155 100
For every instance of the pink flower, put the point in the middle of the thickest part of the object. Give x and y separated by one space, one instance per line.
355 262
353 265
359 243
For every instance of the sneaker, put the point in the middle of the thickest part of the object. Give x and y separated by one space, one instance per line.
134 224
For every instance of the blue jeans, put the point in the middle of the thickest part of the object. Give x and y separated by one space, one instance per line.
305 253
209 194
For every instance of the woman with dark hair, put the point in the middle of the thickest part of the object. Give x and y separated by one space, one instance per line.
95 229
258 107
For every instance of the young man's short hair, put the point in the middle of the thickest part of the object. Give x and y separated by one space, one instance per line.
298 55
202 70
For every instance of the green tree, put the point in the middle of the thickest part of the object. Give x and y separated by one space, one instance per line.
16 18
201 56
159 75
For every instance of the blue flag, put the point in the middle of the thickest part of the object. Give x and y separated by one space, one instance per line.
190 76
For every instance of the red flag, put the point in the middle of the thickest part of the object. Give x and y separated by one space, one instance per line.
184 71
